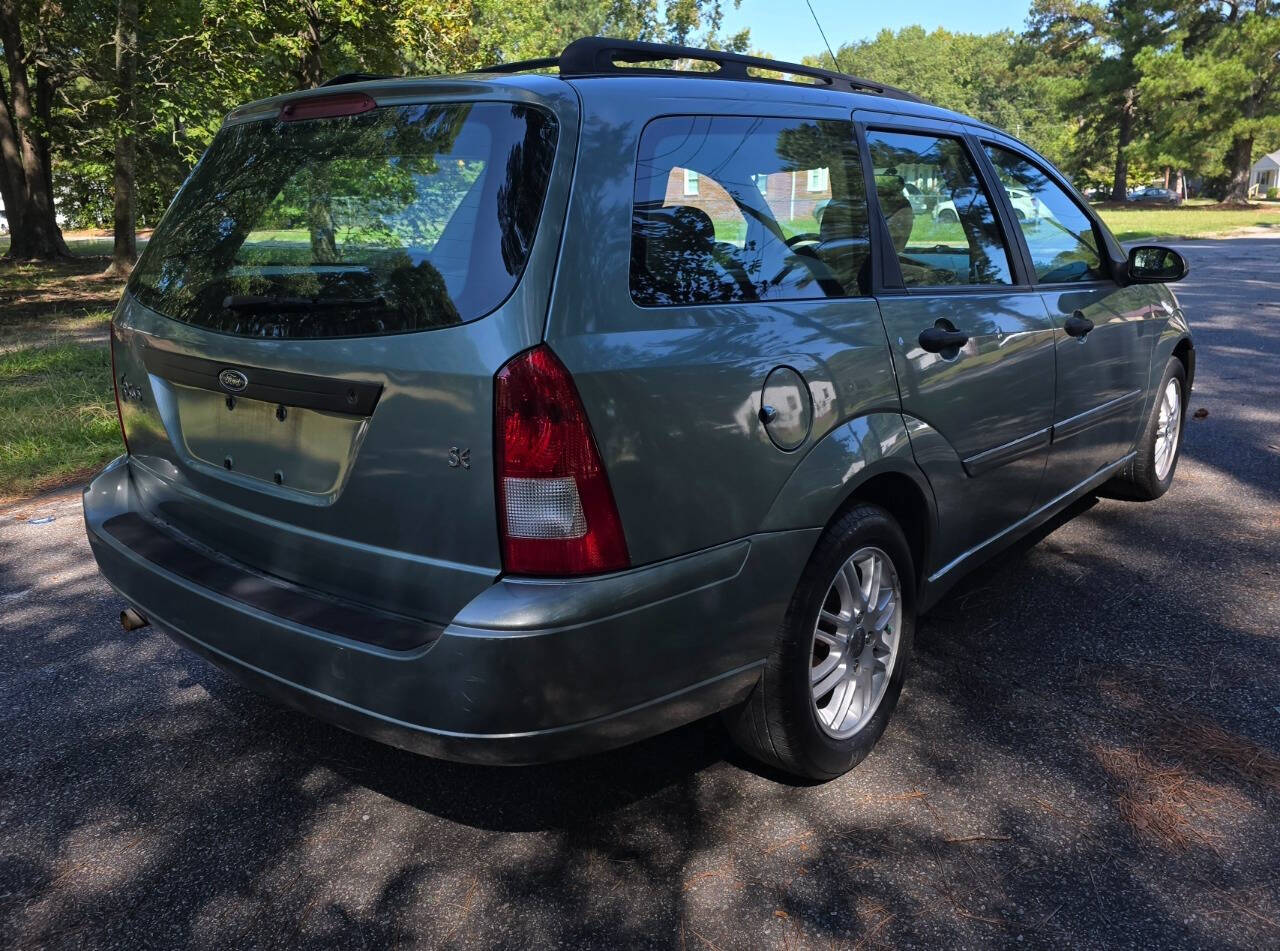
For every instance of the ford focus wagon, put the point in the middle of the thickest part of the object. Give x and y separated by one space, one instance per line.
521 414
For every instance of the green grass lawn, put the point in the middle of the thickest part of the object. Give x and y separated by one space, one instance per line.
57 414
86 247
57 408
1134 224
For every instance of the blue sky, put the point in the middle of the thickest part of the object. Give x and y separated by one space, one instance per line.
785 29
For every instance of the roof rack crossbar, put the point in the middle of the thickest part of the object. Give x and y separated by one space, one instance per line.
600 56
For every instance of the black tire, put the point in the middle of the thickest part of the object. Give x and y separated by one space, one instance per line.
948 216
778 724
1138 480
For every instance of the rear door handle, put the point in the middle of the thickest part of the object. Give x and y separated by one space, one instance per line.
1077 325
937 339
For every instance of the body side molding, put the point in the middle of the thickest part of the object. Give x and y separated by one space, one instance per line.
1074 425
987 460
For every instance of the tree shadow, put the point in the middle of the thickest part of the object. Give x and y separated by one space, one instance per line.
1082 757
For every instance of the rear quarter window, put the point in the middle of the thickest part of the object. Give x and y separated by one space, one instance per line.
737 209
394 220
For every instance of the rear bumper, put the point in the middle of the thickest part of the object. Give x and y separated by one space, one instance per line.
528 671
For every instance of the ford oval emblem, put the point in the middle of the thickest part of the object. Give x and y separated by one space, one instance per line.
233 380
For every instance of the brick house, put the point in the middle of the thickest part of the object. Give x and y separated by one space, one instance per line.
790 195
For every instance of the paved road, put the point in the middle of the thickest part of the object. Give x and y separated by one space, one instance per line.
1086 754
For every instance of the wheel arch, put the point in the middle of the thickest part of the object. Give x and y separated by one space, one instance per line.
911 506
866 459
1186 353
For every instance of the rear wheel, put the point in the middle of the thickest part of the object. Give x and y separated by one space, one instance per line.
1150 473
948 215
834 676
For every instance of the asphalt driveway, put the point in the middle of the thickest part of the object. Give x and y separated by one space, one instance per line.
1087 753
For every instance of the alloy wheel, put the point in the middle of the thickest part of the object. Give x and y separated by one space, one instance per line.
855 642
1168 429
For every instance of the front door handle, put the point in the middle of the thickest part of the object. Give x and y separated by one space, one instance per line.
937 339
1077 325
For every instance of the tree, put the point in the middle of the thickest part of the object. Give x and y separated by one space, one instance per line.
508 31
128 114
1217 83
312 40
24 122
1105 39
996 77
124 249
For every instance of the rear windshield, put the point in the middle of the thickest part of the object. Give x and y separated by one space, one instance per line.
390 221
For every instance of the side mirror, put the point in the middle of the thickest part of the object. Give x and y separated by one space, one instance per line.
1152 264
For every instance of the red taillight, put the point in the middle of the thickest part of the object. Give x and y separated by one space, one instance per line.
115 386
556 514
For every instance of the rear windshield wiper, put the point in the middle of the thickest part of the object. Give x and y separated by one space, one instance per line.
258 304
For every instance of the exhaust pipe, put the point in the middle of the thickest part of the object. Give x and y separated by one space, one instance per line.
131 620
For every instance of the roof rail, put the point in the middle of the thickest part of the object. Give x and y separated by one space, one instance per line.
600 56
523 66
345 78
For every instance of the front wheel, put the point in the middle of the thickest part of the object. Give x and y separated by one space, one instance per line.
1150 473
833 678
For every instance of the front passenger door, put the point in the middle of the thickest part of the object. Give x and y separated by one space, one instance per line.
1103 336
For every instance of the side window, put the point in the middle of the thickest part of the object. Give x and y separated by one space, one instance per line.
940 218
1059 234
778 211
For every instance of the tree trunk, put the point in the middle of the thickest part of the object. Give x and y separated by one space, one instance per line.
12 179
311 68
1239 160
1120 187
44 113
124 249
40 233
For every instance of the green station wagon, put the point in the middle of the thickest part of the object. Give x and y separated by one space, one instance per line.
521 414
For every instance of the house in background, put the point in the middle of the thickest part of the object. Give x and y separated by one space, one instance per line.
1264 174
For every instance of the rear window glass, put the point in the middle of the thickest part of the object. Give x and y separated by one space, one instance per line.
393 220
731 208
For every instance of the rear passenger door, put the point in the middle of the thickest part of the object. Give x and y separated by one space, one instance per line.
971 342
1103 332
